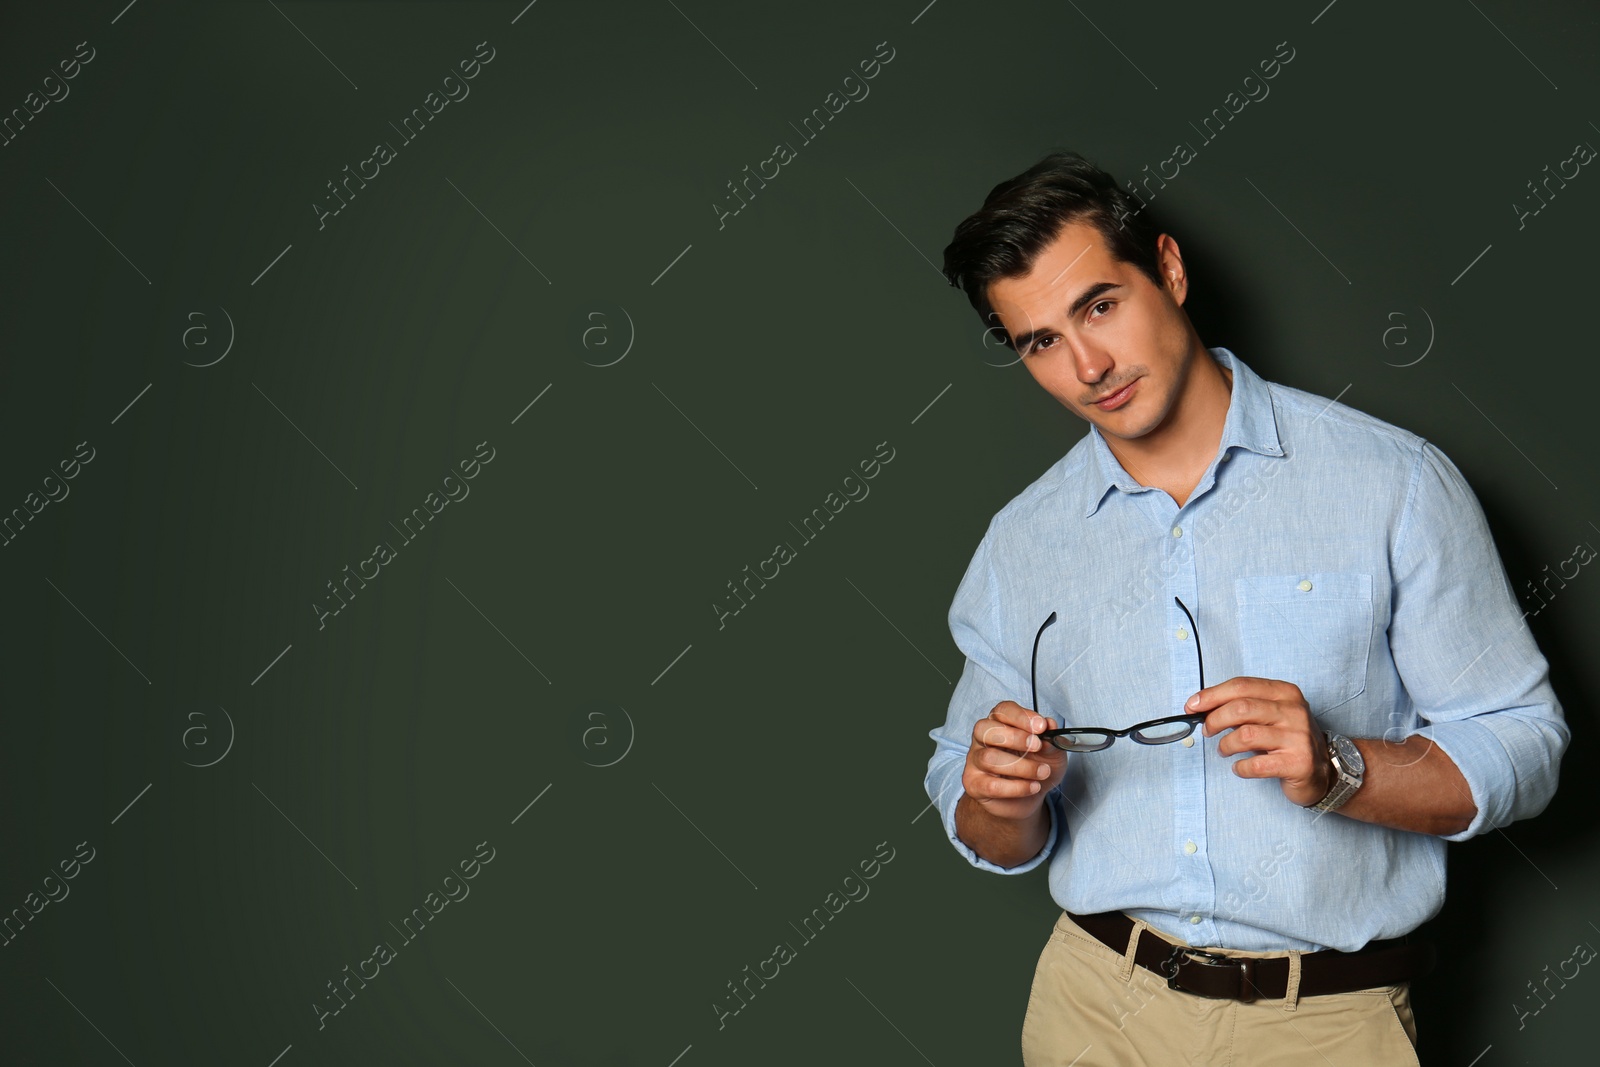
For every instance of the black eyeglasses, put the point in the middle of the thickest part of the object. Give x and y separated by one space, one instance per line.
1094 738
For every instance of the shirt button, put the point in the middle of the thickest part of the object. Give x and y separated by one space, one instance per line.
1189 848
1188 742
1304 586
1182 633
1177 531
1194 918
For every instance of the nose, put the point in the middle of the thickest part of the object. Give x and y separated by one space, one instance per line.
1091 363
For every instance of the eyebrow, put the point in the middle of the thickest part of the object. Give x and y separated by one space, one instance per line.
1087 297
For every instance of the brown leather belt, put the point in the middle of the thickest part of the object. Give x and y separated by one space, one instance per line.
1247 978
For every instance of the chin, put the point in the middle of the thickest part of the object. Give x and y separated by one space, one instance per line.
1127 430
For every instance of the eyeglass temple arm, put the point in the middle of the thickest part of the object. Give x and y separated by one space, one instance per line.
1199 660
1033 666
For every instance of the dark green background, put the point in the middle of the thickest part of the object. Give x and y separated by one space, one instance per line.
779 751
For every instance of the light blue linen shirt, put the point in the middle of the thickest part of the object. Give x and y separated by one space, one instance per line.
1323 547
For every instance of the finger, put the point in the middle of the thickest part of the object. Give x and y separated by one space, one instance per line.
1241 710
1000 761
1013 714
1282 765
1233 689
1254 737
988 786
1011 765
1258 767
994 734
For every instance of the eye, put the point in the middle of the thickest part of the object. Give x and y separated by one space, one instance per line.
1100 304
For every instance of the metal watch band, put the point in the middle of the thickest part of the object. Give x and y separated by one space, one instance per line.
1345 784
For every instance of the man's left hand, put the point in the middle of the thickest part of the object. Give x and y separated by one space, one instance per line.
1270 718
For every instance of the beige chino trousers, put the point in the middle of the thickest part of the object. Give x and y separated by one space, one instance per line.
1092 1006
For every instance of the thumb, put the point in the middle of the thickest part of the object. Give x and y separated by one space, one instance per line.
1047 751
1055 757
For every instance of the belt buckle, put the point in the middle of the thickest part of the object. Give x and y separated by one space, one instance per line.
1181 954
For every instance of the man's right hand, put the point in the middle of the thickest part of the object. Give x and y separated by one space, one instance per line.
1009 769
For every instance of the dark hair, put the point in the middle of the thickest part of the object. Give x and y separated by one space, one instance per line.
1023 214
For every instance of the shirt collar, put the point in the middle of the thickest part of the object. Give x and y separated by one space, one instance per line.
1251 424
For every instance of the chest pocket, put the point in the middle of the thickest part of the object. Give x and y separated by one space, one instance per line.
1310 629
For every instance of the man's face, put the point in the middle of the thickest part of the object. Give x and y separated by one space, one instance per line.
1097 334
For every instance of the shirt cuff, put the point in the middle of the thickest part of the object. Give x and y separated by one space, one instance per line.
944 788
1483 757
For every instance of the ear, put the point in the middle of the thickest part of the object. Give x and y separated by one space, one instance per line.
1171 259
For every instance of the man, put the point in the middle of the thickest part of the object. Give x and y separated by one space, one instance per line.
1374 692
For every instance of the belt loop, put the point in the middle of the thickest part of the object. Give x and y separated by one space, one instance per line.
1291 992
1125 971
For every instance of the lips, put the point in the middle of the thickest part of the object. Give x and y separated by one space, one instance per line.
1118 398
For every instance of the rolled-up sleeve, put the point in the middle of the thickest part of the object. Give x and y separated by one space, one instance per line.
986 679
1465 654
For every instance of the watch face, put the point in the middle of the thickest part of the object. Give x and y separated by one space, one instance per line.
1349 756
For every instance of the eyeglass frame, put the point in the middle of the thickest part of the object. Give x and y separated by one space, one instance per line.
1132 732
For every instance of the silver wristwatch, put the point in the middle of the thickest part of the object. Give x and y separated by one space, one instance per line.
1348 769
